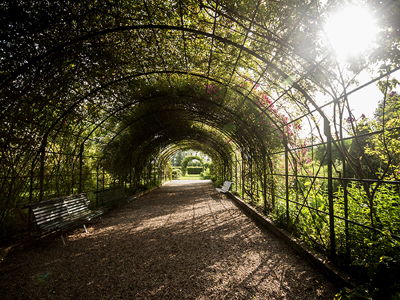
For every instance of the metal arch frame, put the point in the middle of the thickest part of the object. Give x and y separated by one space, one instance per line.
160 125
296 85
166 28
223 40
128 105
152 149
161 27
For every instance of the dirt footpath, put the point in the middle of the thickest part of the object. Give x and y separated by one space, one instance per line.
182 241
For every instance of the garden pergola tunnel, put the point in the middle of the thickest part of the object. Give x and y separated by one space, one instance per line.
101 93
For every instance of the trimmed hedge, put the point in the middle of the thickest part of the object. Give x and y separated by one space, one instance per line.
194 170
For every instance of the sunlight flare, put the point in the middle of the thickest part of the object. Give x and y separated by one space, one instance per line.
351 31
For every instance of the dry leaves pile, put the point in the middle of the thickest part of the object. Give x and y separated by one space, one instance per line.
183 241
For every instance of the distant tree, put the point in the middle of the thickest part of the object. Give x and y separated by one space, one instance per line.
178 158
386 145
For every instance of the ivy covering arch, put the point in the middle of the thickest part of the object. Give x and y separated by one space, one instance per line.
100 93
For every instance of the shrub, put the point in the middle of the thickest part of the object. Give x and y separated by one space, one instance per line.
176 174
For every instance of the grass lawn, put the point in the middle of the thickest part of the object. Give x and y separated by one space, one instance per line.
191 177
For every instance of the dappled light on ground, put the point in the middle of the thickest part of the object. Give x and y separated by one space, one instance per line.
182 241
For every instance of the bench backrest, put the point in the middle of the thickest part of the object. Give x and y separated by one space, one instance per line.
227 185
225 188
78 206
54 213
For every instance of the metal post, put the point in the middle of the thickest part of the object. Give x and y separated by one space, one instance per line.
239 176
149 174
224 171
80 168
243 176
296 187
236 172
31 182
346 210
272 184
251 179
130 171
42 162
104 178
328 135
264 193
155 173
287 182
97 185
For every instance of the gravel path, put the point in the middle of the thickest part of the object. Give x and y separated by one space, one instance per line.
182 241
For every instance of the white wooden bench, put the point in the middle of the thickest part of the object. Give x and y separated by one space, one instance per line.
225 188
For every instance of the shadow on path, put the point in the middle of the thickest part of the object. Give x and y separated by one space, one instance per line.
182 241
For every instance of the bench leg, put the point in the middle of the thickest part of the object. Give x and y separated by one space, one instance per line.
62 238
85 228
